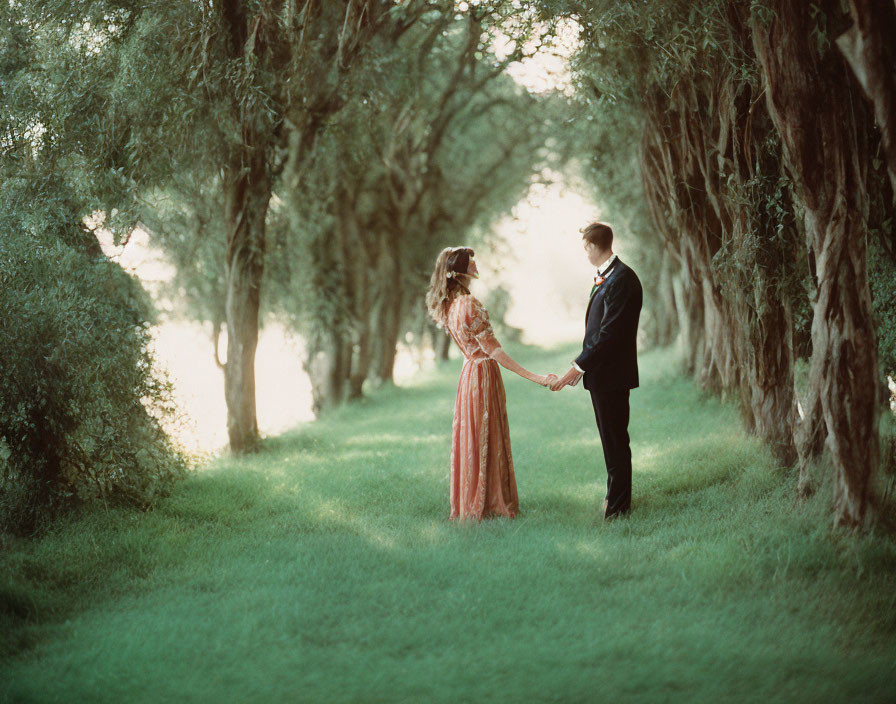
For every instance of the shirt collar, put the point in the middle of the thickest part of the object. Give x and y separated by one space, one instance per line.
603 268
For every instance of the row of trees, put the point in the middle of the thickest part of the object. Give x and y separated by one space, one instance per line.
307 159
310 159
435 140
408 136
763 138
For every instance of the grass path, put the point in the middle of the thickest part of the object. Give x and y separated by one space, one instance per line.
324 570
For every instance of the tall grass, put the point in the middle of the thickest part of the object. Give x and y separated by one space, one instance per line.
324 569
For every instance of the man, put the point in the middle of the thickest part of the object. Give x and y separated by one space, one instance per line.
609 360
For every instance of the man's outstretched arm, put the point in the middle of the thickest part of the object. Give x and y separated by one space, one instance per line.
571 378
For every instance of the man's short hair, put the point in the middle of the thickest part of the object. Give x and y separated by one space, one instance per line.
600 235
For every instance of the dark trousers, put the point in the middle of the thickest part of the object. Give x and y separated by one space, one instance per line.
611 410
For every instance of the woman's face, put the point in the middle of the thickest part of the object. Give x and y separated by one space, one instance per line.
472 269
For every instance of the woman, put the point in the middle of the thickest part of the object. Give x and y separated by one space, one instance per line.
482 479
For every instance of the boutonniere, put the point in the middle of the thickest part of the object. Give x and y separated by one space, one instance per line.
598 280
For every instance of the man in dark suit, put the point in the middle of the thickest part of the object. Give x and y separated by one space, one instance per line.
609 360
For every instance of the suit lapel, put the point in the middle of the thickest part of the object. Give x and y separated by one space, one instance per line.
603 287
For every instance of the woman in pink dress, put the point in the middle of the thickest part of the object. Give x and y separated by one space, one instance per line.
482 480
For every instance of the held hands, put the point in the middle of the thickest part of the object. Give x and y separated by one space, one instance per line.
546 380
571 378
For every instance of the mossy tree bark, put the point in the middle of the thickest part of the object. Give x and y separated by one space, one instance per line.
706 166
824 128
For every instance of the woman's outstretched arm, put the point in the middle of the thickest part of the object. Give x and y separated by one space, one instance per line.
481 329
508 362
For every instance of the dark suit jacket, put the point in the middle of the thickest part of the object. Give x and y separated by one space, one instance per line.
609 352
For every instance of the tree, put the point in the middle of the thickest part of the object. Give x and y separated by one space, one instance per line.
246 90
801 71
279 67
82 408
676 87
720 91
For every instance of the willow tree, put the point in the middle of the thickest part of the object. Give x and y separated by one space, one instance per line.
677 85
828 152
273 74
710 161
722 91
452 155
242 83
81 404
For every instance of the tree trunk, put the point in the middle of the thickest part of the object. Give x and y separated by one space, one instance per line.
678 177
665 313
390 315
363 360
340 371
442 344
659 172
358 256
705 164
248 192
389 338
809 435
770 383
826 151
760 236
690 322
870 48
362 336
327 363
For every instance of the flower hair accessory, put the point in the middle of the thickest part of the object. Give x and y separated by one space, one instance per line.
450 274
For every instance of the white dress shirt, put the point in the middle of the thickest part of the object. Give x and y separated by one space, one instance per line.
603 268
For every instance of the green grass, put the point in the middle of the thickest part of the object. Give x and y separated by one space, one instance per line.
324 569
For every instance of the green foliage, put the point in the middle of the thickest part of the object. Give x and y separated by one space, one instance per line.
881 220
185 219
610 134
882 275
324 569
605 120
81 407
82 87
497 301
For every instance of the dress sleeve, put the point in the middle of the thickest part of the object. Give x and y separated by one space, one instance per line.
480 328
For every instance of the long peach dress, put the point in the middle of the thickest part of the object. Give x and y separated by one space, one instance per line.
482 479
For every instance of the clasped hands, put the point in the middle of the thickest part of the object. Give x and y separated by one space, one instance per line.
571 378
555 383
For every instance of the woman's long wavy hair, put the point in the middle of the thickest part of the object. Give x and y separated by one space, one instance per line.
444 285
